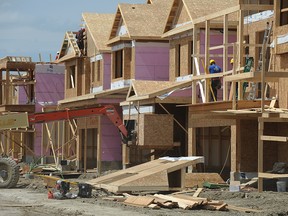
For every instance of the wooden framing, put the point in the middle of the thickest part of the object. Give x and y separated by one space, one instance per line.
19 71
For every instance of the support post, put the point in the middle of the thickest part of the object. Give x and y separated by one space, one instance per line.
99 146
85 146
235 151
207 57
260 153
225 55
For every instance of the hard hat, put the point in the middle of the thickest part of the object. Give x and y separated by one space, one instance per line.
212 61
232 61
58 52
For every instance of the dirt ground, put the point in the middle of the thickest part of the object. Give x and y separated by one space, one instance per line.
30 198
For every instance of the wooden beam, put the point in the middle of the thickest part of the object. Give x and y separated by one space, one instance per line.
225 54
256 7
207 59
274 138
272 175
256 76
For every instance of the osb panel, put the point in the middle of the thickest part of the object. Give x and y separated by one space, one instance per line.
283 94
92 122
181 15
155 130
72 92
151 18
142 87
87 72
197 179
91 48
281 48
208 123
205 7
127 57
99 27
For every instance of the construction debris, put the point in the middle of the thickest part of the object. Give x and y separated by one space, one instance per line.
183 201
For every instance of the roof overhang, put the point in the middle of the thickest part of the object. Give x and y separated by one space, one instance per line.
93 98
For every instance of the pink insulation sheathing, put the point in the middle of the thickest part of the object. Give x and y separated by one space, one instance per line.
152 63
110 141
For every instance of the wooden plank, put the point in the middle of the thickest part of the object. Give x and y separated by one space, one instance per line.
10 121
274 138
183 203
271 175
257 7
140 201
197 193
199 200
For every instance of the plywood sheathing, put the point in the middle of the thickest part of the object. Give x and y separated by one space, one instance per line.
149 89
155 130
195 10
99 26
151 18
156 175
197 179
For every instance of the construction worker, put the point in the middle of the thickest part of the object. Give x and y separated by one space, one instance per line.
57 55
215 82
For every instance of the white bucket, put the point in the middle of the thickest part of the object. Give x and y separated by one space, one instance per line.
281 186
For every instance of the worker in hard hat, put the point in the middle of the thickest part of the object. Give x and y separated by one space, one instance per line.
232 61
57 55
215 82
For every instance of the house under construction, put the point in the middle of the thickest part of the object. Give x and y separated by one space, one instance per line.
151 61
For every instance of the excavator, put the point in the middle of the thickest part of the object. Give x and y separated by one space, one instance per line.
9 169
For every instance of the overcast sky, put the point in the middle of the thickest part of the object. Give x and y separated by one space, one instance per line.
30 27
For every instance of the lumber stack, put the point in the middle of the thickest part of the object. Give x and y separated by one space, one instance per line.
170 201
177 200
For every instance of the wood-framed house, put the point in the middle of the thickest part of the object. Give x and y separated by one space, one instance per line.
140 60
17 72
226 137
95 142
29 87
229 138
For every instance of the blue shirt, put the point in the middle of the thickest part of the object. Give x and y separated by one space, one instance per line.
214 69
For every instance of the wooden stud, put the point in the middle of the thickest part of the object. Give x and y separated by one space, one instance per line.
194 94
99 147
260 153
85 146
225 54
207 59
